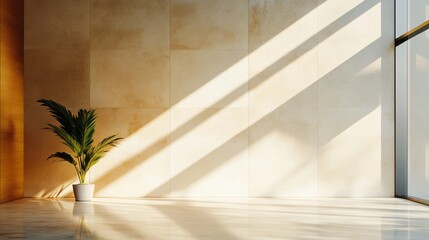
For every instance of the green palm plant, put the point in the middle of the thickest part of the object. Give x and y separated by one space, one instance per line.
77 132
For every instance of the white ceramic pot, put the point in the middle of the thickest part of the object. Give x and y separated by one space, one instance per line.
83 192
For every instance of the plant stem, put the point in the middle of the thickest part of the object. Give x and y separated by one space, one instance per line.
80 174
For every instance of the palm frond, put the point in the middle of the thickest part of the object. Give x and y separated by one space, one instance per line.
85 128
64 156
98 152
77 133
60 113
67 138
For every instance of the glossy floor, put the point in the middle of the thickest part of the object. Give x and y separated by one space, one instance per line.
214 219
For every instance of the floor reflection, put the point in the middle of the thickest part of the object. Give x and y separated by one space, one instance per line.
83 211
214 219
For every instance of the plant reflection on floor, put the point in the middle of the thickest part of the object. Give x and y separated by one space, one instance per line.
83 231
82 210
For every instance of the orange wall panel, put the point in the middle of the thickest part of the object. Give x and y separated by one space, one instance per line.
11 101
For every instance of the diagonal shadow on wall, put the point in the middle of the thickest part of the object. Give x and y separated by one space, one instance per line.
254 25
254 82
303 100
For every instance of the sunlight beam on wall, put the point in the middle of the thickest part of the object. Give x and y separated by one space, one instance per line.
351 154
193 127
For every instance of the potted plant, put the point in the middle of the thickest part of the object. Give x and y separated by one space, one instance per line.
76 132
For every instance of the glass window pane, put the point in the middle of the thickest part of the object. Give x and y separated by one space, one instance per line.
418 144
418 12
401 17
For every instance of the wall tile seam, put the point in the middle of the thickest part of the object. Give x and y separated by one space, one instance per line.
215 108
354 107
211 49
248 105
318 97
131 50
169 193
130 107
56 48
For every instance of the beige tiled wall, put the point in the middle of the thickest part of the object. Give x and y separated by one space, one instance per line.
217 98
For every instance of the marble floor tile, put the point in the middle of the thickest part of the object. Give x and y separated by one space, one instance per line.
239 218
